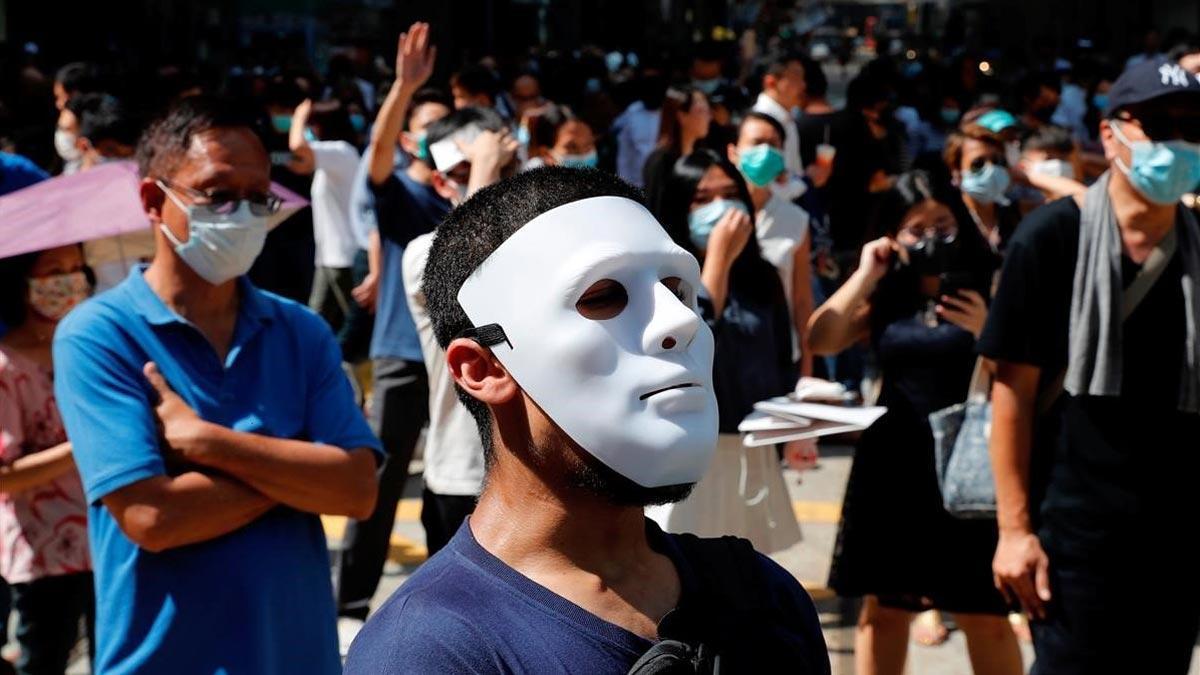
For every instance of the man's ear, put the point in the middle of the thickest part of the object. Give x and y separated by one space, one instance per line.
1108 141
731 152
152 199
477 370
408 143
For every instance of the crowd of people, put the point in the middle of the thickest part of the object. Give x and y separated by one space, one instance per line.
566 282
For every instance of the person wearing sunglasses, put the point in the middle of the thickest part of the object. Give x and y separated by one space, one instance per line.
211 423
976 159
1096 403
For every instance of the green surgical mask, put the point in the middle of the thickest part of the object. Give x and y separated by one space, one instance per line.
761 164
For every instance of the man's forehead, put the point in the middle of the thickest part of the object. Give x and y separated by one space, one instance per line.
225 156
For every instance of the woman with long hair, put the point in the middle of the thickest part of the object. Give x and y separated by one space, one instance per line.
708 211
917 298
684 123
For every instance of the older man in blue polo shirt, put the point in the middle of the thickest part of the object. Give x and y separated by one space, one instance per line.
211 423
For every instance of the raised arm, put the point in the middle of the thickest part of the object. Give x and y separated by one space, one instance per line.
303 160
845 317
414 64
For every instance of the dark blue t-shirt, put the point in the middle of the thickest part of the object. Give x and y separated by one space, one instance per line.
404 210
466 611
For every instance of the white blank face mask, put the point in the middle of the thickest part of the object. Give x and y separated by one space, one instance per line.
634 390
1053 167
64 145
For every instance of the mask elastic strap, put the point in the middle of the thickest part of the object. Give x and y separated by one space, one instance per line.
182 207
488 335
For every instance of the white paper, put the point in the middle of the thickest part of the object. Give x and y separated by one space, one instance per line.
799 411
816 430
760 421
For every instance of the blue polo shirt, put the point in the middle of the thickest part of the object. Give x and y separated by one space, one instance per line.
257 600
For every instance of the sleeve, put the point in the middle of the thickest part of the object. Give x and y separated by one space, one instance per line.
105 403
393 210
413 270
1014 331
338 159
332 416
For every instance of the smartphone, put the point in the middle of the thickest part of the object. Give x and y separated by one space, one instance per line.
950 283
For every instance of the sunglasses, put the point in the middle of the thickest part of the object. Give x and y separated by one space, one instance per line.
979 163
225 202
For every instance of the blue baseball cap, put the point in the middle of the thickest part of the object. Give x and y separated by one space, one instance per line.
1150 80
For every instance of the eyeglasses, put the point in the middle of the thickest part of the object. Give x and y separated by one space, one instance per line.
225 202
1164 126
978 163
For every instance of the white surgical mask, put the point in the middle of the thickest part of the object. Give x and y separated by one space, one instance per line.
1053 167
634 390
219 247
64 145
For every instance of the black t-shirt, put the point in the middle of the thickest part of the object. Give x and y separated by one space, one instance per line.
1121 469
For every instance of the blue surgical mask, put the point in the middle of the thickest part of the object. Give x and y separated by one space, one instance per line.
950 115
282 123
761 165
359 122
309 135
702 221
1100 101
1163 171
219 247
585 161
988 185
523 136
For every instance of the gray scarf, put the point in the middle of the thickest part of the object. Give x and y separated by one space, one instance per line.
1094 357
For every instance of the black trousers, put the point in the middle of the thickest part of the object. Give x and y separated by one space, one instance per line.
441 516
399 409
48 614
1137 612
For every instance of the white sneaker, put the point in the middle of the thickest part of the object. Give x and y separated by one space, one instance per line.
347 628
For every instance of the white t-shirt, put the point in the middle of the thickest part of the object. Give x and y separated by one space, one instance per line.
453 451
781 227
333 181
637 136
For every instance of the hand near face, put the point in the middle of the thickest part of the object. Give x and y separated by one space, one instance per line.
730 235
490 149
415 57
877 256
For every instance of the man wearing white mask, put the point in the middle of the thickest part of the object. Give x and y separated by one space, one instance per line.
1096 402
571 328
211 424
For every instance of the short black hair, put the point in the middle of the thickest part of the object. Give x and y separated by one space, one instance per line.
425 96
78 77
478 226
485 118
815 83
477 80
167 139
103 117
1050 138
778 64
762 117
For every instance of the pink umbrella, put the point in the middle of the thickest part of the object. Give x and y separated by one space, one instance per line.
100 202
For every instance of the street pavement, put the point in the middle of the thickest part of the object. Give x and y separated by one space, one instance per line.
817 499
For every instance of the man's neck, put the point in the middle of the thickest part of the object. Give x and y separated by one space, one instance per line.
530 525
420 172
187 294
1143 224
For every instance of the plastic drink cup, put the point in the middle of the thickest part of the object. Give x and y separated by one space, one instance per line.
825 155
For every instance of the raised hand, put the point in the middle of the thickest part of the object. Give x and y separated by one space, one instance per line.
415 57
